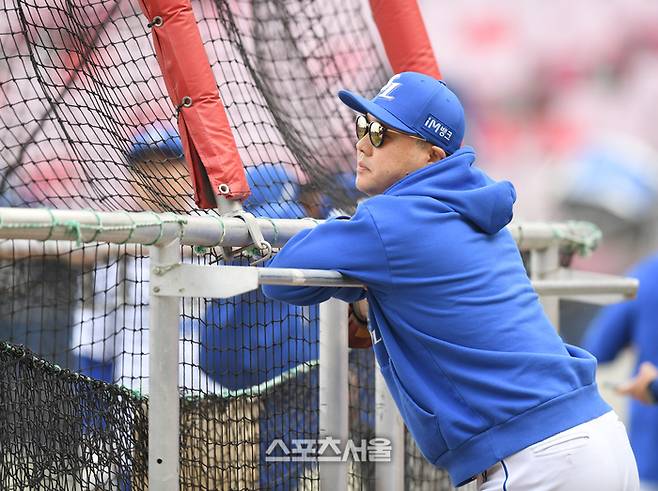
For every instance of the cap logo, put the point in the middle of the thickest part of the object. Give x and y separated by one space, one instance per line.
388 89
438 128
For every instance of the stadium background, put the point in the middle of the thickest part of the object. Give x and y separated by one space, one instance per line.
86 124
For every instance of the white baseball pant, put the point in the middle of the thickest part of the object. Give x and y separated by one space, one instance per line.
595 456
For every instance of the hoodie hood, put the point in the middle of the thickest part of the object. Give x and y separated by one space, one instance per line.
461 186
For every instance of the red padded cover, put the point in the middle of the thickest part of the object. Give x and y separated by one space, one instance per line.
210 149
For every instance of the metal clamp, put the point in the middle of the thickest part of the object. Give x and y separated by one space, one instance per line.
256 235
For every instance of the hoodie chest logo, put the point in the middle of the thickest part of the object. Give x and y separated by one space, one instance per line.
375 336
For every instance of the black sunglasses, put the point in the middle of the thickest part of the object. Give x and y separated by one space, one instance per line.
376 131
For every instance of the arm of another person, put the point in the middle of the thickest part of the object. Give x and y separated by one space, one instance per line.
610 332
352 247
644 386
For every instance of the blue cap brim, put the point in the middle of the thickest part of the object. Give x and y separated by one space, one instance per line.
364 106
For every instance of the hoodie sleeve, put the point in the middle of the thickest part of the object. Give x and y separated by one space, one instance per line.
352 247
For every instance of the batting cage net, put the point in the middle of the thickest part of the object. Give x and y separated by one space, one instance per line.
86 123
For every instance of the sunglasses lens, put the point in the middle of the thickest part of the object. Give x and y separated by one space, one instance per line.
376 134
361 126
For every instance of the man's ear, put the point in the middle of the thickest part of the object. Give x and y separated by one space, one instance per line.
437 153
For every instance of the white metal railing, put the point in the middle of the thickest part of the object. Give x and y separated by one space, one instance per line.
207 230
170 280
543 240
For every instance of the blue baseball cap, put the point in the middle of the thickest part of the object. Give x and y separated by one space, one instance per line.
416 104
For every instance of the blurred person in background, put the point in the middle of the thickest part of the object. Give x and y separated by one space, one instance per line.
312 201
159 174
633 324
110 326
249 340
38 289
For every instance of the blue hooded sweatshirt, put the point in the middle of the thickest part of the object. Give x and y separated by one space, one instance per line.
634 323
474 365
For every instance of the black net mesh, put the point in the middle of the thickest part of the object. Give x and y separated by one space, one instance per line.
85 122
62 430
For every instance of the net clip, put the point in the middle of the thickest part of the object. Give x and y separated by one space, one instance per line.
259 243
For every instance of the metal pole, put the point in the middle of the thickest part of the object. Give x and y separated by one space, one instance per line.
208 230
544 262
624 288
389 476
304 277
334 396
142 227
164 467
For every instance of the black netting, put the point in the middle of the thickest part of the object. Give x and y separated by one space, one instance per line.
62 430
362 414
85 122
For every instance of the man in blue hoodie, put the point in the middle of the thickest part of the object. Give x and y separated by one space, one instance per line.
483 382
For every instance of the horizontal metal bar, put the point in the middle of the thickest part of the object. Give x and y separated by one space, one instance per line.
190 280
304 277
141 227
187 280
595 298
625 287
569 282
208 230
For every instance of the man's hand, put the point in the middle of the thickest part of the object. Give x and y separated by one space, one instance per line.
638 387
359 336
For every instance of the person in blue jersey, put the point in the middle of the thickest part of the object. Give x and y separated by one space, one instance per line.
258 339
481 378
250 341
634 324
